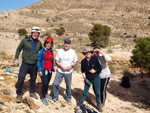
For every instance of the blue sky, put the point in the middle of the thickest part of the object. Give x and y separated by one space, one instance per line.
15 4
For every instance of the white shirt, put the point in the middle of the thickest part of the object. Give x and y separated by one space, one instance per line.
105 73
66 58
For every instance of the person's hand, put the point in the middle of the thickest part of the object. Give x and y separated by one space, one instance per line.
85 79
40 73
92 71
69 68
63 68
16 63
54 69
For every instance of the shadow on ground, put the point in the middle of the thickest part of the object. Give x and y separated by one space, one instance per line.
137 94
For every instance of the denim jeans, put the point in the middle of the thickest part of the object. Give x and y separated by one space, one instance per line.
57 81
96 88
24 70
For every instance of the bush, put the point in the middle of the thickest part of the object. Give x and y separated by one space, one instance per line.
99 35
60 31
22 32
141 54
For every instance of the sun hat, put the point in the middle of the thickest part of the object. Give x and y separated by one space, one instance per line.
87 49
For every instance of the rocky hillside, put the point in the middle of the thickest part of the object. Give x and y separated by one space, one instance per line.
129 17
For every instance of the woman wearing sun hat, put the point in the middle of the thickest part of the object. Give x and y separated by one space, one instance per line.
90 69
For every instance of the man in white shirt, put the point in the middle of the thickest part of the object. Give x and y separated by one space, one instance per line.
66 59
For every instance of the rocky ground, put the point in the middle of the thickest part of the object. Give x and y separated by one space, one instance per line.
119 99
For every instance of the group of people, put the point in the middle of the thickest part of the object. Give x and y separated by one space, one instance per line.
94 68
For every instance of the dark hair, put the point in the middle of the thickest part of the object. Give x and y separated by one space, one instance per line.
96 47
47 41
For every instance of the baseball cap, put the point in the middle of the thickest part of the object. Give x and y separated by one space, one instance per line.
67 41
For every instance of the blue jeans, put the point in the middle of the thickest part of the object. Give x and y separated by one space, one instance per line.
57 81
24 70
96 88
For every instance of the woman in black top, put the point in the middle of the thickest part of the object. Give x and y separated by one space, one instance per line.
90 68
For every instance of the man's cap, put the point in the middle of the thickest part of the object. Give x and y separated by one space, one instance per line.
67 41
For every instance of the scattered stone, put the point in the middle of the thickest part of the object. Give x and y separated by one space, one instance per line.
7 98
30 103
19 107
1 109
5 91
3 66
2 103
62 104
2 78
57 108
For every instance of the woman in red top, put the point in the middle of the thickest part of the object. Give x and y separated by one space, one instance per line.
45 67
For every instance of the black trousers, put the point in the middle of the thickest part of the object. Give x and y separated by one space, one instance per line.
103 86
45 82
24 70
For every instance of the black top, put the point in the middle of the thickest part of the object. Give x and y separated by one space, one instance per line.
88 65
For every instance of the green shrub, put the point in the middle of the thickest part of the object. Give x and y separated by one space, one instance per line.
141 54
22 32
60 31
99 35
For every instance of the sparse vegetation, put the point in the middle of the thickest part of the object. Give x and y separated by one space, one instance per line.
99 35
109 50
3 54
141 54
60 31
112 67
60 46
22 32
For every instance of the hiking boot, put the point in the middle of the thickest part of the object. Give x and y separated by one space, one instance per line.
33 95
69 101
44 101
54 99
99 108
18 98
48 96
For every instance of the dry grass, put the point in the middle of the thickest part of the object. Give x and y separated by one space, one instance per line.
109 50
3 55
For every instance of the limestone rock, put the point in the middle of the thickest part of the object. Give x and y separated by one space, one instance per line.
2 78
30 103
5 91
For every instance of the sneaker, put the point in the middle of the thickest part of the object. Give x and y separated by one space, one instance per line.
78 106
33 95
69 101
102 104
54 99
44 101
48 96
18 98
99 108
